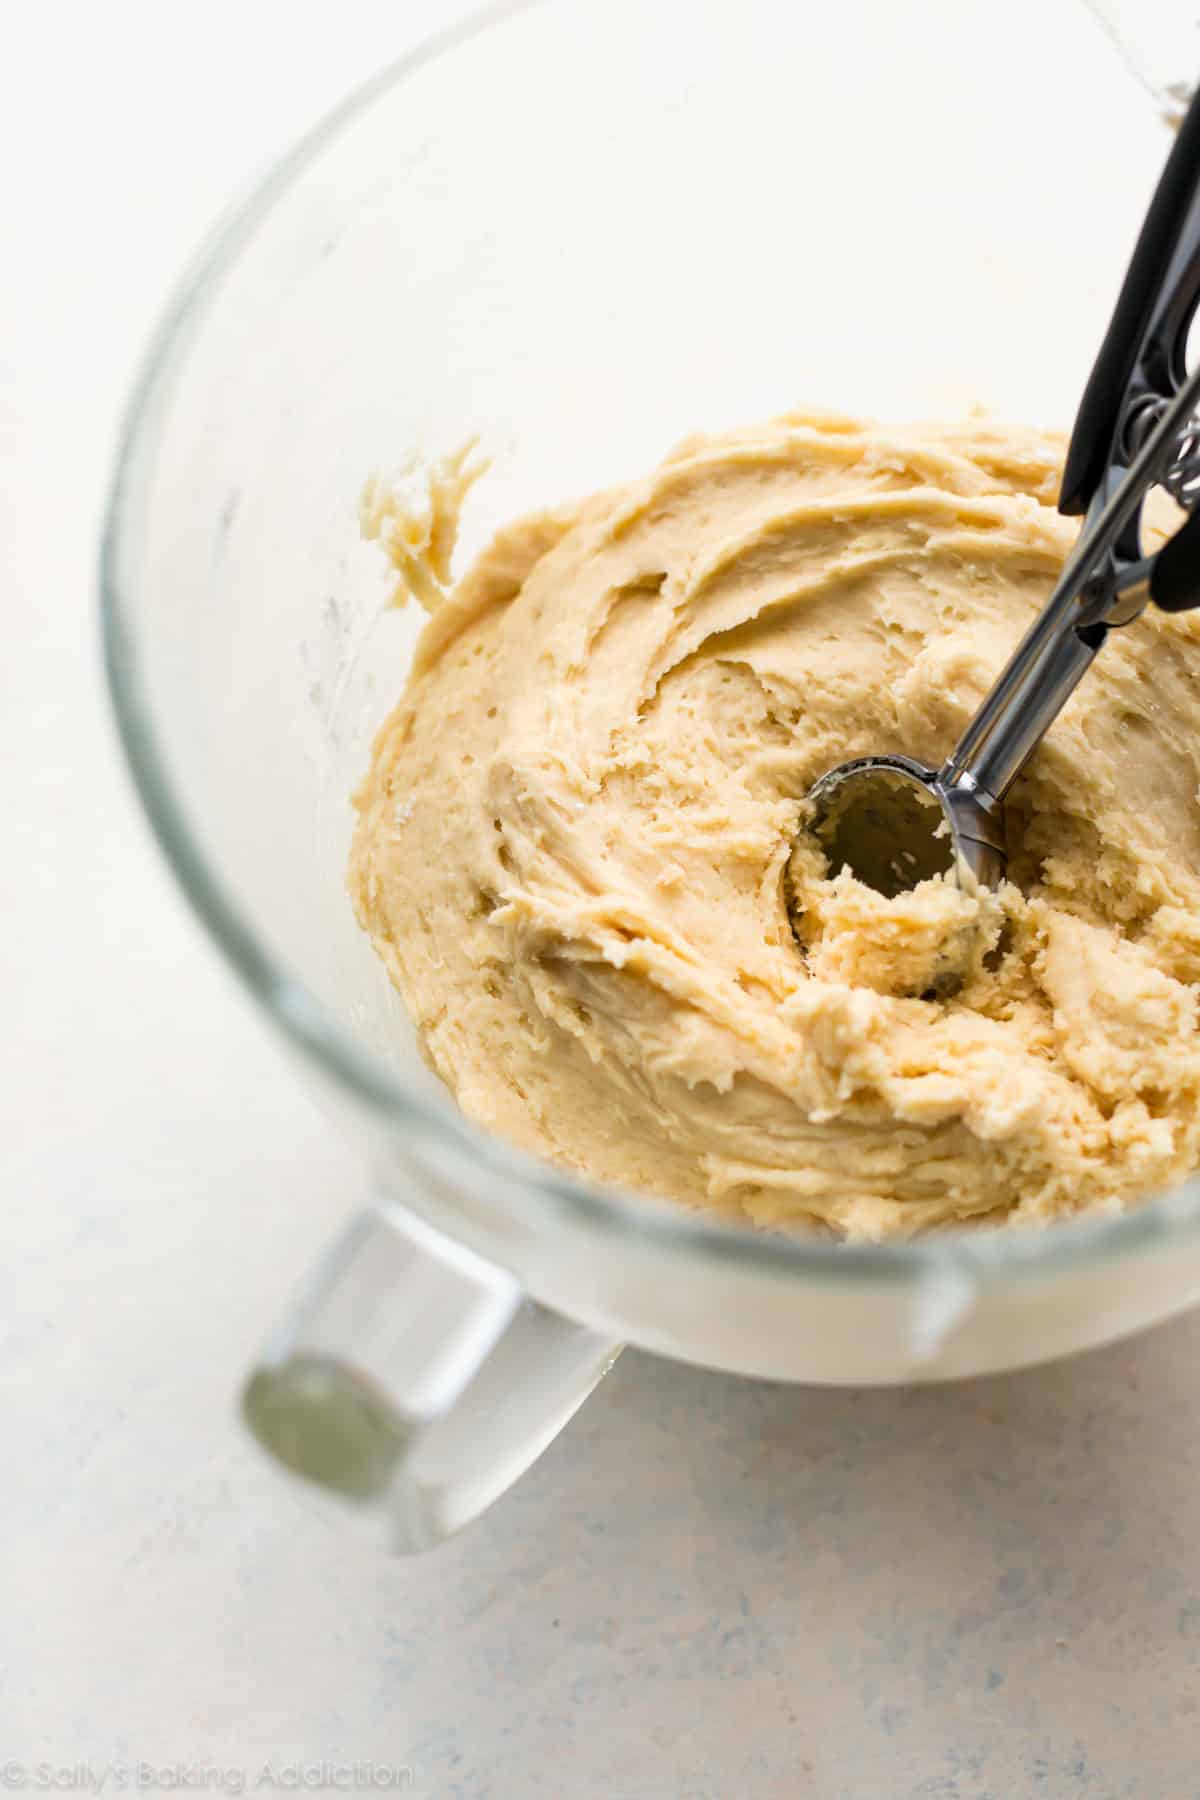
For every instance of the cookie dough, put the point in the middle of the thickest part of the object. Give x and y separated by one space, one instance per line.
572 847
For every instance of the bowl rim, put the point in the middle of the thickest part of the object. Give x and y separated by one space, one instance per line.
553 1197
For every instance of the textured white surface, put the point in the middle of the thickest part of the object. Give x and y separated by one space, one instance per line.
708 1587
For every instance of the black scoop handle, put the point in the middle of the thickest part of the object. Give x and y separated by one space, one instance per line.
1143 349
1175 572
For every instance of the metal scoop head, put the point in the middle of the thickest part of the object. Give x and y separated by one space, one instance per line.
894 823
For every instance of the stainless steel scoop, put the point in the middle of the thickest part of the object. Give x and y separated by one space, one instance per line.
894 822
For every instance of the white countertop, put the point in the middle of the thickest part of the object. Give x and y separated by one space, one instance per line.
708 1587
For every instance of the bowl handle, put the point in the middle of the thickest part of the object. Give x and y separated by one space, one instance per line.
414 1382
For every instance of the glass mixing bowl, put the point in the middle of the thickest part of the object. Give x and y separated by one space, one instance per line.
579 231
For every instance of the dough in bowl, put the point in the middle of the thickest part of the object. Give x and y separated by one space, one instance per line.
572 848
